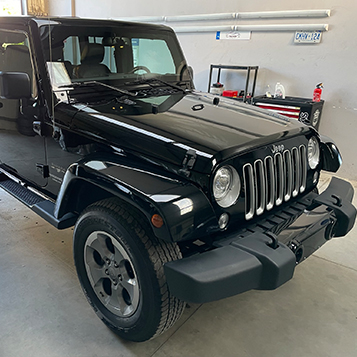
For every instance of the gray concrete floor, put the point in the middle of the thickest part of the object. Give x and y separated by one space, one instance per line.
43 311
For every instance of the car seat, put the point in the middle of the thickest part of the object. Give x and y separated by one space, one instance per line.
91 58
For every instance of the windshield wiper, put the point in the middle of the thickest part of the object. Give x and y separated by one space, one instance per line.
153 80
80 84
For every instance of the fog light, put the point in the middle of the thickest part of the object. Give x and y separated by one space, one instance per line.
223 220
316 177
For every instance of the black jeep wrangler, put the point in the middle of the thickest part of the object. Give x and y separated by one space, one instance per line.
176 196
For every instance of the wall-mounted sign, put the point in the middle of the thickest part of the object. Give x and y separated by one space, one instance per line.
307 36
37 7
233 35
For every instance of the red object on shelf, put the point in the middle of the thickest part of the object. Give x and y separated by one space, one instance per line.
230 93
316 97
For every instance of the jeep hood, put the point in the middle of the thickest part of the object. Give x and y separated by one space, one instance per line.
174 128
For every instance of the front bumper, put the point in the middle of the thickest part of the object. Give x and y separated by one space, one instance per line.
263 256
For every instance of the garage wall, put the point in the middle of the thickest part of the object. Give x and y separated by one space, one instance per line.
298 67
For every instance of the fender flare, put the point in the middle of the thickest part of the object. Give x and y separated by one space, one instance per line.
331 157
186 211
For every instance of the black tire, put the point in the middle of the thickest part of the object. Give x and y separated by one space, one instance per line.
139 304
25 126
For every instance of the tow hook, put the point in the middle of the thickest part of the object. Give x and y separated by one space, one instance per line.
338 200
274 243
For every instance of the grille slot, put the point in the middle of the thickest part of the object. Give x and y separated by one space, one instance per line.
279 178
302 150
296 166
275 179
259 175
249 191
288 175
270 182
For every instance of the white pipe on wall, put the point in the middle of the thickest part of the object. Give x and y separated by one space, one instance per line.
193 29
144 19
201 17
235 15
251 15
283 14
261 28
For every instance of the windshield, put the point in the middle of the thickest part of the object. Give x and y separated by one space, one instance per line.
124 56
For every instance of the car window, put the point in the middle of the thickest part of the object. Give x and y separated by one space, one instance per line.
16 55
152 54
118 56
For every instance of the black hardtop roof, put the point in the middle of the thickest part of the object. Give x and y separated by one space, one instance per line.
77 21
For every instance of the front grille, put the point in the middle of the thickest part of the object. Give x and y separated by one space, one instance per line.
273 180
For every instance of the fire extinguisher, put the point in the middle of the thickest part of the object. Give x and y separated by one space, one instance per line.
317 93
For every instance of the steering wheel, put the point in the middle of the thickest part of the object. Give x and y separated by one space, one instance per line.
138 68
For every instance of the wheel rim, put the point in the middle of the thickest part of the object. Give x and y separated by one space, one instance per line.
111 274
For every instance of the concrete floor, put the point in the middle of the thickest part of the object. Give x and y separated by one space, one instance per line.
43 311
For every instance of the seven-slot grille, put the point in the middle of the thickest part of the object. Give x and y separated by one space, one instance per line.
273 180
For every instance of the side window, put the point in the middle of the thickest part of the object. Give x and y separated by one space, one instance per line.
15 55
153 54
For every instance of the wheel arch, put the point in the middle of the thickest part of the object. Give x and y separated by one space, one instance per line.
186 211
331 157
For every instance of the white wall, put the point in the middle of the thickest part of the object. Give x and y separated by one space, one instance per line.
299 67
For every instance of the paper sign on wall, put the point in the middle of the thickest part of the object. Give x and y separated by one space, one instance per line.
233 35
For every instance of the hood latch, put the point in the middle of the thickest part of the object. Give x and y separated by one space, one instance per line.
188 162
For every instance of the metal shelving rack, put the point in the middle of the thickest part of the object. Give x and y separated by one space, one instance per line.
245 68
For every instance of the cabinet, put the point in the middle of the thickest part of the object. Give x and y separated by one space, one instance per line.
302 109
248 69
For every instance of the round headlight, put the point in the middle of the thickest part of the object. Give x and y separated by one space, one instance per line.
313 153
226 186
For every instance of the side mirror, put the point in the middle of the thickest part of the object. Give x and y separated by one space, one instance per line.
15 85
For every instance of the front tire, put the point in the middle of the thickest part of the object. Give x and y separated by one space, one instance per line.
119 263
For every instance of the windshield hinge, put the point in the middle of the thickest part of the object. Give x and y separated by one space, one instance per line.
44 170
188 162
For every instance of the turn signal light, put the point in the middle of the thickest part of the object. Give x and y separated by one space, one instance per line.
157 221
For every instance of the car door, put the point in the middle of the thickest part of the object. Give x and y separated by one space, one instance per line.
21 151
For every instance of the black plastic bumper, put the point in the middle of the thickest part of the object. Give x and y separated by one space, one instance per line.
338 197
253 260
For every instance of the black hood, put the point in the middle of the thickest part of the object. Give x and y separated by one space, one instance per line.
167 128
